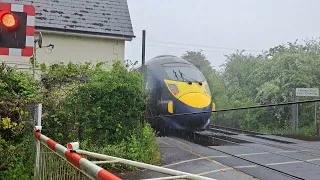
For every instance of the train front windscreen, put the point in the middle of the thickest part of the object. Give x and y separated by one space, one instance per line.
184 73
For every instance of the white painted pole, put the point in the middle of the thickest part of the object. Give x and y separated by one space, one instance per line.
37 116
144 165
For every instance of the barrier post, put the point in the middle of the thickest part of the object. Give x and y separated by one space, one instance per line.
37 117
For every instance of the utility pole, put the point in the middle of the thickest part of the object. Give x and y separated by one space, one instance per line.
34 59
39 42
143 51
143 62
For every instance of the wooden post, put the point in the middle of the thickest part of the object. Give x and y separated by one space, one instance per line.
294 113
318 123
315 111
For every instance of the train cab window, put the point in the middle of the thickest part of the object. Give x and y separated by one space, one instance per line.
184 73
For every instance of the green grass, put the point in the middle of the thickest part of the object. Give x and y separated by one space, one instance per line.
302 131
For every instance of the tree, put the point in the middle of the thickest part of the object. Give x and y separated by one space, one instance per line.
198 59
271 77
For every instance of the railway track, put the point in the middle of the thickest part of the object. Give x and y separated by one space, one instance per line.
234 131
221 135
260 149
231 136
202 139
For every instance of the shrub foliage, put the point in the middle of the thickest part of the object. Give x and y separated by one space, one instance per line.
102 109
17 91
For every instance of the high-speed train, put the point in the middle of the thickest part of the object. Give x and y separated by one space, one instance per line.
175 86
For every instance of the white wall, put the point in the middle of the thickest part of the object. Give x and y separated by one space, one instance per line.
73 48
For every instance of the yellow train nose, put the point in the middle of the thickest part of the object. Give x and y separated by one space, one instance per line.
196 100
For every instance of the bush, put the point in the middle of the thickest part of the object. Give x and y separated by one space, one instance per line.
17 91
105 115
139 146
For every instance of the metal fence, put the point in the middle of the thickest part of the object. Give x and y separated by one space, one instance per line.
55 161
52 166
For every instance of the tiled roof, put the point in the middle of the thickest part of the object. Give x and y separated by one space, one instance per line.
102 17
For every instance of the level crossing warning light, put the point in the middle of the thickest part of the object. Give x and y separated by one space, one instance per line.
8 20
17 26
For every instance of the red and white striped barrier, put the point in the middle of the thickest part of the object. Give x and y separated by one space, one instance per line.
89 168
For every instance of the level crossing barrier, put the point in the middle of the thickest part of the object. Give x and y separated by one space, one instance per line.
55 161
59 162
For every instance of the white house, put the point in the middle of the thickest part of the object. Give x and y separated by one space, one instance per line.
80 30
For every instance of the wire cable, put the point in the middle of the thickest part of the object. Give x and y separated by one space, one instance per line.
184 48
240 108
201 45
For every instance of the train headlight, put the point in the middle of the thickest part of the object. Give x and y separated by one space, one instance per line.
173 88
213 107
170 107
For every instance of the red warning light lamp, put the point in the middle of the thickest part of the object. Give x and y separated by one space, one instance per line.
8 20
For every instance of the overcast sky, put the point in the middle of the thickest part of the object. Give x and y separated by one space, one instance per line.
219 26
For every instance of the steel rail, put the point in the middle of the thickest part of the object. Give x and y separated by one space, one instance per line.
236 129
287 148
239 131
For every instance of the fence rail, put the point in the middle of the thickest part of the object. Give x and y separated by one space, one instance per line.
74 165
110 159
58 162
